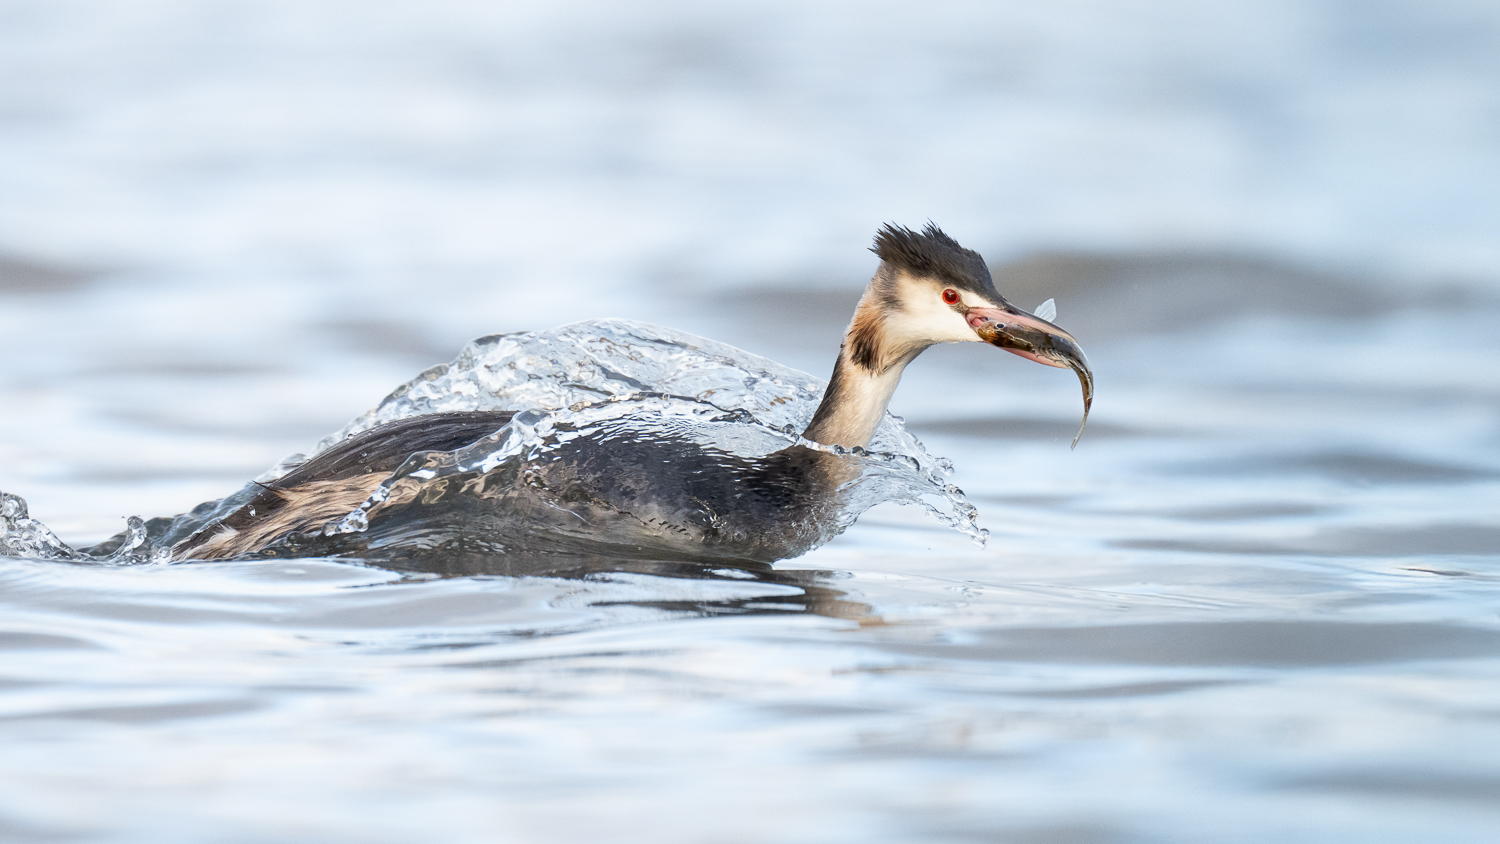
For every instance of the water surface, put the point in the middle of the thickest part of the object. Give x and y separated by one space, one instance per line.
1260 601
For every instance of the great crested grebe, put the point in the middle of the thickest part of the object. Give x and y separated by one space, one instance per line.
664 494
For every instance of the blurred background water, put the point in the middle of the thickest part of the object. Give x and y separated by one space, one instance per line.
1259 600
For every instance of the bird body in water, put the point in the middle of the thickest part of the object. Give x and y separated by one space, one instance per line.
606 492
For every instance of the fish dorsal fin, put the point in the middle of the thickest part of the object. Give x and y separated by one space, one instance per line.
1047 310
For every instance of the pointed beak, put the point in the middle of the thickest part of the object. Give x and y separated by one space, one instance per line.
1034 338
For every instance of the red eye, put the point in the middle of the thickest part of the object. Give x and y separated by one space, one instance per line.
950 296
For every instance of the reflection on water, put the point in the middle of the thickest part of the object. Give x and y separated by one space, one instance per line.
686 589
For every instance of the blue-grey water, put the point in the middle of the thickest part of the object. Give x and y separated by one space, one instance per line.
1260 601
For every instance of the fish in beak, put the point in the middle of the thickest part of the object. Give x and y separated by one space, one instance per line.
1034 338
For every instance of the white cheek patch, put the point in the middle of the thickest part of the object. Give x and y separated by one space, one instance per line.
925 318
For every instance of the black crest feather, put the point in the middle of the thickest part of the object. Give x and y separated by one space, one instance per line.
932 253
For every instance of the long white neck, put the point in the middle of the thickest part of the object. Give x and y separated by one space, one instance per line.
869 367
853 405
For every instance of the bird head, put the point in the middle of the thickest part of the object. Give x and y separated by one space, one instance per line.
930 290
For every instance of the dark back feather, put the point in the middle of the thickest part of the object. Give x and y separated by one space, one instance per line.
372 454
384 448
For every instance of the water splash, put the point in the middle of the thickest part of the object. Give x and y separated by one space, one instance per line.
557 479
23 536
